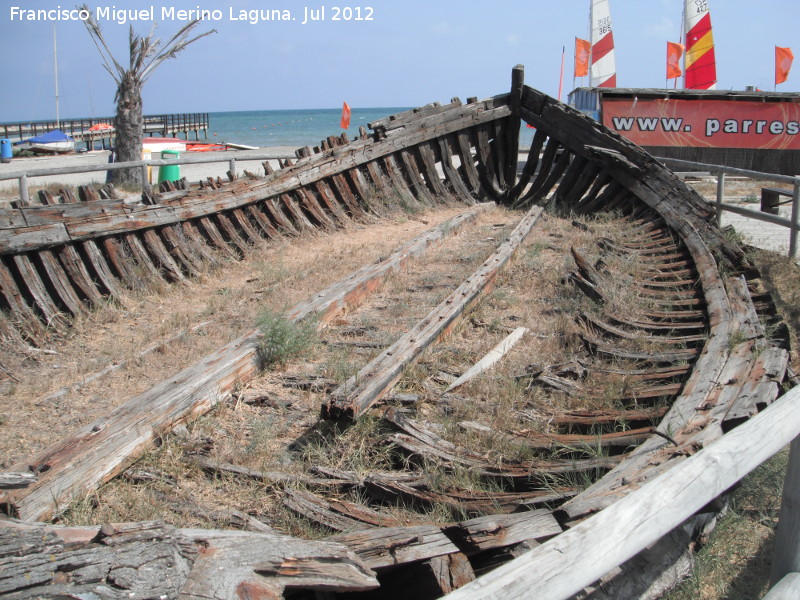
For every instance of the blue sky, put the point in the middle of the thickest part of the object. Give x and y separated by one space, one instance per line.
411 53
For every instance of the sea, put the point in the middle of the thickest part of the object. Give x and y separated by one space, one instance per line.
295 128
298 128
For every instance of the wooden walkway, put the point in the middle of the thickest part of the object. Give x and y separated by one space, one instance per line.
167 125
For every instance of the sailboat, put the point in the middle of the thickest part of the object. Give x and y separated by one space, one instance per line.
700 65
54 141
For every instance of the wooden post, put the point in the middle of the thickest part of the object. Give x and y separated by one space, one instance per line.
787 588
786 557
720 196
23 188
232 166
514 122
795 219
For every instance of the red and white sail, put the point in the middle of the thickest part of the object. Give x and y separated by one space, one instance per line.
700 65
604 68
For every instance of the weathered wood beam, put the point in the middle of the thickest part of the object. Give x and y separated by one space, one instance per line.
154 560
375 379
341 296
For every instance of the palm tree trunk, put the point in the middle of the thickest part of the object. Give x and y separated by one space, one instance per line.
129 127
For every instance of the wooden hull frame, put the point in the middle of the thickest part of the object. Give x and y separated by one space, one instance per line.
62 258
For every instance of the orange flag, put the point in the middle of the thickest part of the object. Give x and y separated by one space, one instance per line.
674 53
345 122
783 63
582 49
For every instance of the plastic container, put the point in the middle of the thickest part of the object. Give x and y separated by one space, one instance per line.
169 172
5 150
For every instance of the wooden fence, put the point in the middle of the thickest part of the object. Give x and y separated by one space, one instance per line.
575 559
720 171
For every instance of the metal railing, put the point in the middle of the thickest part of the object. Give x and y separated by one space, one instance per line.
230 157
166 123
720 171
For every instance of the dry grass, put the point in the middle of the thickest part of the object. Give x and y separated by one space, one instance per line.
281 431
275 276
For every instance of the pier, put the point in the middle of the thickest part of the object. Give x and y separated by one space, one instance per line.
165 125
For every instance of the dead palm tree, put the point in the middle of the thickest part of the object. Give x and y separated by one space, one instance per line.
146 54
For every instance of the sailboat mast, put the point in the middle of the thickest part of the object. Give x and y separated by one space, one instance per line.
55 69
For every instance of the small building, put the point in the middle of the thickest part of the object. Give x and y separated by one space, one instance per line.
750 129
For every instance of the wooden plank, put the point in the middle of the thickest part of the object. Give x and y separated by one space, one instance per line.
181 249
251 233
78 273
342 296
201 247
12 294
231 233
375 379
37 289
418 184
786 556
513 125
300 220
330 201
238 564
788 588
216 238
494 355
141 256
500 531
263 222
100 265
465 156
451 174
309 201
427 157
391 546
628 526
60 282
162 255
153 560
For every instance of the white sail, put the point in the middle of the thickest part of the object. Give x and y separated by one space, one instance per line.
603 69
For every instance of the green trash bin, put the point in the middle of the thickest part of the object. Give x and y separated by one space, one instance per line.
169 172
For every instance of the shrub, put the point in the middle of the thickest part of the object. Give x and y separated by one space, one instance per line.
283 339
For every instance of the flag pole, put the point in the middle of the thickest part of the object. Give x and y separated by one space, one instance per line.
561 77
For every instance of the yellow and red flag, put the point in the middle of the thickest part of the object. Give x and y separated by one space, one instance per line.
674 53
783 63
582 49
345 121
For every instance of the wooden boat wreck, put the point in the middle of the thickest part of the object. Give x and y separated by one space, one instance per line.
703 365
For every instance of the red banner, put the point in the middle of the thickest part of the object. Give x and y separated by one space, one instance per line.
582 50
344 122
705 123
783 63
674 53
